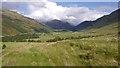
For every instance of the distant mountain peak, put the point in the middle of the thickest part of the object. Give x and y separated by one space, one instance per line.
58 24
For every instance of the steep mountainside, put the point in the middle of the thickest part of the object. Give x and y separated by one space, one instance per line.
14 23
83 25
105 23
57 24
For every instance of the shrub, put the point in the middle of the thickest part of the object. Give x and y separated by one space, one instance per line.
57 38
51 40
86 56
71 44
4 46
38 41
31 40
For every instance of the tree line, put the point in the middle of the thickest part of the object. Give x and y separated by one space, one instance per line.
58 38
19 38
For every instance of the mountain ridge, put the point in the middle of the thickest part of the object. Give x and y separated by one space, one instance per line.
100 22
14 23
59 24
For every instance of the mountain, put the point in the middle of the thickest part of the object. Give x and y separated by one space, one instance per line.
15 23
105 23
84 25
58 24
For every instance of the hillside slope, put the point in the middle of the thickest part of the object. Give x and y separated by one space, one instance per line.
105 23
14 23
83 25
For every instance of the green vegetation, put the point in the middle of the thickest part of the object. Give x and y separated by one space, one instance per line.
68 49
14 23
19 38
4 46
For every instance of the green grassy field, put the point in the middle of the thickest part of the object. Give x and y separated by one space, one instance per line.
94 50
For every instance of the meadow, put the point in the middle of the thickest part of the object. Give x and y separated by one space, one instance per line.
62 49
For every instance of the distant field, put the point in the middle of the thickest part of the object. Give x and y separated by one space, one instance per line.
74 49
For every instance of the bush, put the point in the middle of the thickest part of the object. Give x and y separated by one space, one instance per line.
57 38
51 40
38 41
4 46
71 44
31 40
86 56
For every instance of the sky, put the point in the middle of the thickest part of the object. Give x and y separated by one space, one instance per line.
61 0
84 0
73 12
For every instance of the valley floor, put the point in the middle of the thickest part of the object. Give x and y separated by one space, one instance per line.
93 51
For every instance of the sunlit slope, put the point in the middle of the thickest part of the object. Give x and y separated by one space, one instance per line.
14 23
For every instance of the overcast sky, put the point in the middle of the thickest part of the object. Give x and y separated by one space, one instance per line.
73 12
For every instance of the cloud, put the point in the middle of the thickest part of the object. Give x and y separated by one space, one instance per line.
46 10
49 10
